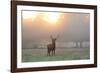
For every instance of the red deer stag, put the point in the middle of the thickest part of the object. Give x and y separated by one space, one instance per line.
51 47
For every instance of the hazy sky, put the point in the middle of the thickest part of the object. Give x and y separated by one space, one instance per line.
38 26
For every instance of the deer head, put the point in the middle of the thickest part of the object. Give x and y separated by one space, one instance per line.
53 39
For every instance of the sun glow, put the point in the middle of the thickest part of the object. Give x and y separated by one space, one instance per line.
51 17
48 17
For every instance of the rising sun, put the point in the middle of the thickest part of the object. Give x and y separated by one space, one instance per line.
51 17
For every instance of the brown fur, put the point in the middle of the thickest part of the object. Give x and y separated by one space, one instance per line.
51 47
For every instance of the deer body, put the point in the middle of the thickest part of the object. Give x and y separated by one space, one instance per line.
51 47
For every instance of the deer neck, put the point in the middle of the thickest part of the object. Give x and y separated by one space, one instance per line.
53 43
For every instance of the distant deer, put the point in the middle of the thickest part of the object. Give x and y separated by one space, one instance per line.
51 47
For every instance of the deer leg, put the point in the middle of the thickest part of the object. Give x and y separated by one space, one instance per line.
49 53
54 52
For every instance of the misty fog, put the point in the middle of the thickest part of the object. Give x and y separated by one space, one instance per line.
72 28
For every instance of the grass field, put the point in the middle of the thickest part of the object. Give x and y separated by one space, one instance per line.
36 55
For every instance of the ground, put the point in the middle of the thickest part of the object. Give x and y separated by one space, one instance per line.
36 55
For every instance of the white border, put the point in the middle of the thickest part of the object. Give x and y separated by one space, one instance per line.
53 63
